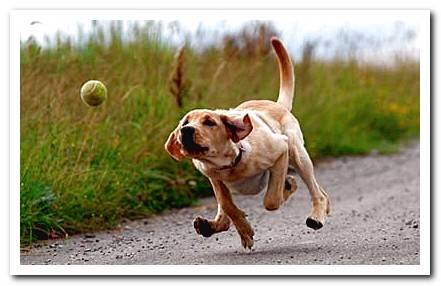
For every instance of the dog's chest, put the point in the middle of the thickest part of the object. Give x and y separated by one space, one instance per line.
251 185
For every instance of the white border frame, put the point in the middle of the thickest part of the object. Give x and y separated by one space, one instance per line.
18 17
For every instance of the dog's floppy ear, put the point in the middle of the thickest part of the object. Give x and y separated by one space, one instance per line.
173 147
237 127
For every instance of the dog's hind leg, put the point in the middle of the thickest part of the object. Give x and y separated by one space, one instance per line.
300 160
319 198
274 196
276 193
207 228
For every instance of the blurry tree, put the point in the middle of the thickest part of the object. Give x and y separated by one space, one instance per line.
252 40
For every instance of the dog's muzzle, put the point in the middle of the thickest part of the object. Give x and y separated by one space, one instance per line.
188 142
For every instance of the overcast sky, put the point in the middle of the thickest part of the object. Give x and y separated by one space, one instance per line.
377 38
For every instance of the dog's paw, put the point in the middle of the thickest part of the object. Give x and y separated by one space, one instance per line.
203 227
246 233
247 241
314 223
290 187
246 237
320 210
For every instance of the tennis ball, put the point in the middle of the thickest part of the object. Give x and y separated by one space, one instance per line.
93 92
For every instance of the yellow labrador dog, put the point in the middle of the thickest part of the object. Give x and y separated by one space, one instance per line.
249 149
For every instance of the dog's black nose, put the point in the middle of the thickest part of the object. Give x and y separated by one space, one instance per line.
189 142
187 133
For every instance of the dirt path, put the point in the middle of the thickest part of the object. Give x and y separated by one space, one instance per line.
374 220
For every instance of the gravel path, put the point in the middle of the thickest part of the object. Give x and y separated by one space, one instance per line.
374 220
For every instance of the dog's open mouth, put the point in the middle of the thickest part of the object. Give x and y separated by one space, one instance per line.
192 147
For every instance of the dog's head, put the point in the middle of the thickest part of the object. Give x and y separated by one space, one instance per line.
205 133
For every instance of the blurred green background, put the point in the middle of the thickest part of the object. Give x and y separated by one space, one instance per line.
85 169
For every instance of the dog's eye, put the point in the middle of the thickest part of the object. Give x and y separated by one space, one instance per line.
209 122
185 122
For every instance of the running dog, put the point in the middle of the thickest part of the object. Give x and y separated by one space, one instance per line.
248 149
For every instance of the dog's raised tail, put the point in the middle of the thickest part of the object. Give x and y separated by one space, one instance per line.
286 69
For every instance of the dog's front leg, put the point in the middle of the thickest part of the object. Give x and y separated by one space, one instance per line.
238 217
207 228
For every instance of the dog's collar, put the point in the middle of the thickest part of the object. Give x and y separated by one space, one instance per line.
236 160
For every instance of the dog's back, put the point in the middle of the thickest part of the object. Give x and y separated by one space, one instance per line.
270 108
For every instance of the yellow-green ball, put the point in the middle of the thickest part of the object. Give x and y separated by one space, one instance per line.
93 93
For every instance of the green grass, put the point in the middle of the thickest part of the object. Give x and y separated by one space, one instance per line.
84 169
